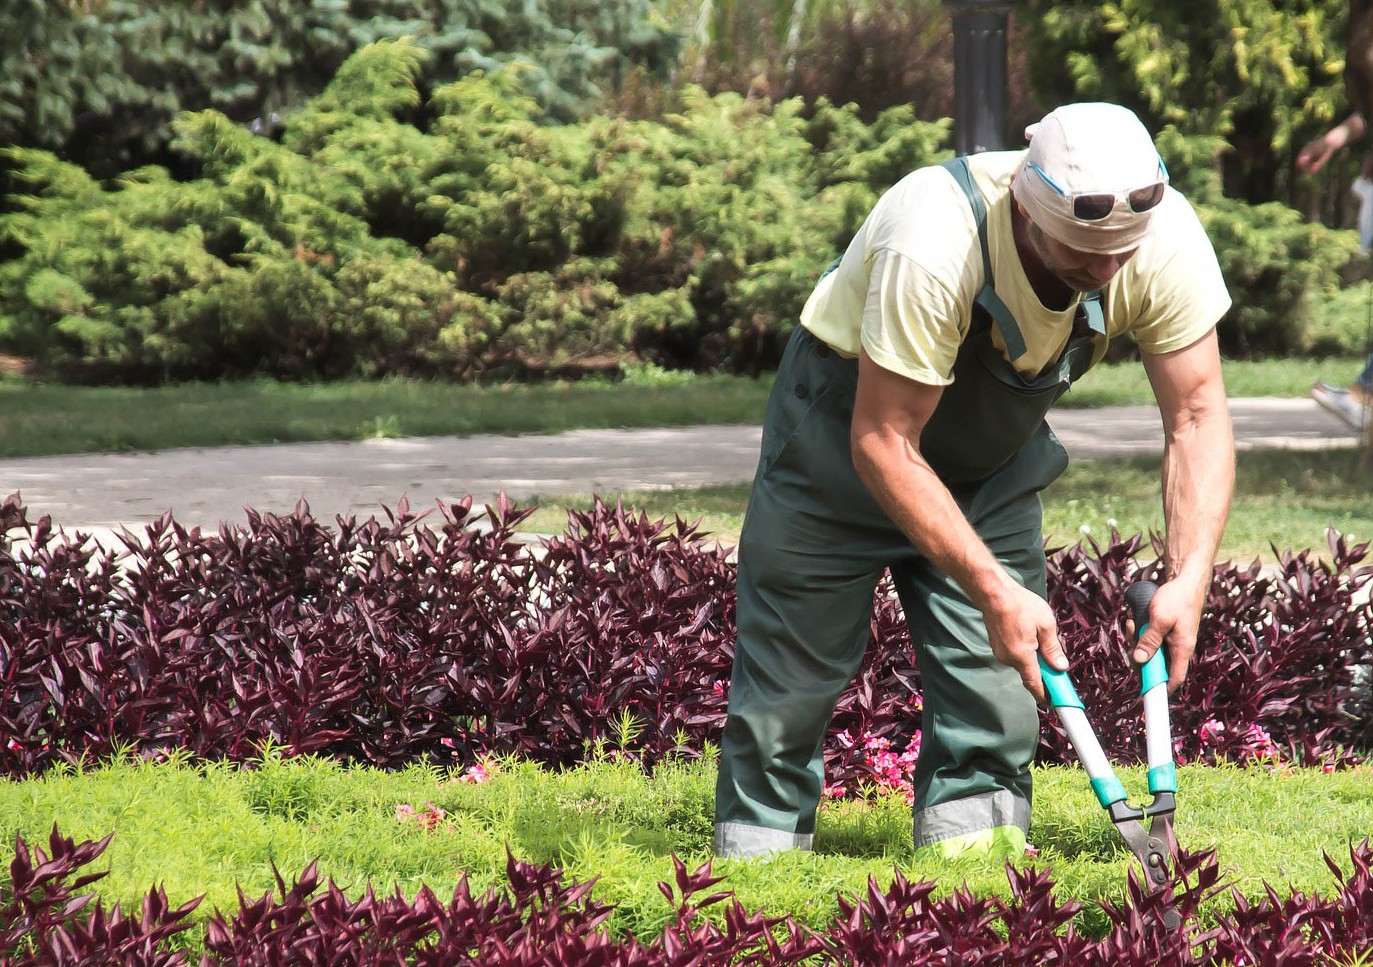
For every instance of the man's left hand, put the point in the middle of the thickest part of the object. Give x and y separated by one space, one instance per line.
1173 617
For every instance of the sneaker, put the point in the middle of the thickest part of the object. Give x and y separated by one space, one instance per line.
1338 401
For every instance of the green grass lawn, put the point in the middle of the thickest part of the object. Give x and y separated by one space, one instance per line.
39 419
202 830
42 419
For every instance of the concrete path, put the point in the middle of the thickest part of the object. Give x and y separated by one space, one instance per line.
206 486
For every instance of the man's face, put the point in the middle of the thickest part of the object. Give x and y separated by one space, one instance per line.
1080 271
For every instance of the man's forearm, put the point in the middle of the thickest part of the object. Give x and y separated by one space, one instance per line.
919 503
1198 478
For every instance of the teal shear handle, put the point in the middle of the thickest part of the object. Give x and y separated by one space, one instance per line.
1154 689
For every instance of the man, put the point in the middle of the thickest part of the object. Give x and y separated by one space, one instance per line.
906 431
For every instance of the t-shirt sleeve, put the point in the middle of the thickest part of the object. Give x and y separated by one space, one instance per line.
1183 293
912 323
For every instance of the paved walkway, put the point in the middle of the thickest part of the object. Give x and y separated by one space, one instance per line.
206 486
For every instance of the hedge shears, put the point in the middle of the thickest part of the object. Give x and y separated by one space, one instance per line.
1152 845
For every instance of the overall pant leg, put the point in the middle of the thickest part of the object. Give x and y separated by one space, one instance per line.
980 727
813 547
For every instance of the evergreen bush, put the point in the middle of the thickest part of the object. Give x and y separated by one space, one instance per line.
490 241
102 80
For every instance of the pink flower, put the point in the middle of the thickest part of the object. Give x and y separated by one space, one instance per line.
431 817
427 818
1210 732
833 792
480 772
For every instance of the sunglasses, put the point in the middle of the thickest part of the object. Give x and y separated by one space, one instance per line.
1093 206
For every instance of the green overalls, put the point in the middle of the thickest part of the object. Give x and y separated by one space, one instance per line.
813 548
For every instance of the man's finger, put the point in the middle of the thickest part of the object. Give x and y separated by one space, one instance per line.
1052 650
1147 645
1035 686
1177 671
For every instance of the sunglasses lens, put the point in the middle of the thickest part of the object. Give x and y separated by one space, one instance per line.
1143 199
1093 208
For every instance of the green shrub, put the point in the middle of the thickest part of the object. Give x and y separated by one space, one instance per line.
1342 323
104 79
491 241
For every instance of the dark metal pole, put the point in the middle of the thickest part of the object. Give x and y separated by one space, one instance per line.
979 74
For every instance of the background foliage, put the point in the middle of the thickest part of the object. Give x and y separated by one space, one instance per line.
361 244
458 187
102 79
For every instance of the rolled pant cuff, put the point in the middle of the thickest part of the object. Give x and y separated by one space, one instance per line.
739 841
972 814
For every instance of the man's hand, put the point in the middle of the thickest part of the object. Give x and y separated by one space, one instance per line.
1020 627
1315 154
1173 617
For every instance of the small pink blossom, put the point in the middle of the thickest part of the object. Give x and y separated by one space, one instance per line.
431 817
889 770
427 818
1249 744
1210 732
479 772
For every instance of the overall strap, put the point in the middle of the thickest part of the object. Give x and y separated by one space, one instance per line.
987 298
1096 315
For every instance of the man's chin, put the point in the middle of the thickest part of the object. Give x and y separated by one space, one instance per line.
1080 283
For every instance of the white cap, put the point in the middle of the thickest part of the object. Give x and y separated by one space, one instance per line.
1086 148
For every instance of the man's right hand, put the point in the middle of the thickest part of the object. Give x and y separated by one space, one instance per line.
1021 627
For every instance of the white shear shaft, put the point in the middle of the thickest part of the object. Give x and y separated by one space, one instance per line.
1085 742
1158 736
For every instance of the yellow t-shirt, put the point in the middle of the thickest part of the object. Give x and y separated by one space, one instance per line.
905 287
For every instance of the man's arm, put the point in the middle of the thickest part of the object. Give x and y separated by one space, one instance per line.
889 412
1198 477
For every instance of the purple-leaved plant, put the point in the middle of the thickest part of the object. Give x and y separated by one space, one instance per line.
441 638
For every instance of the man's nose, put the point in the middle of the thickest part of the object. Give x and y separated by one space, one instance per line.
1104 267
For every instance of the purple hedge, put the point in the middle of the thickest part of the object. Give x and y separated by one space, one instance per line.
391 641
540 920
